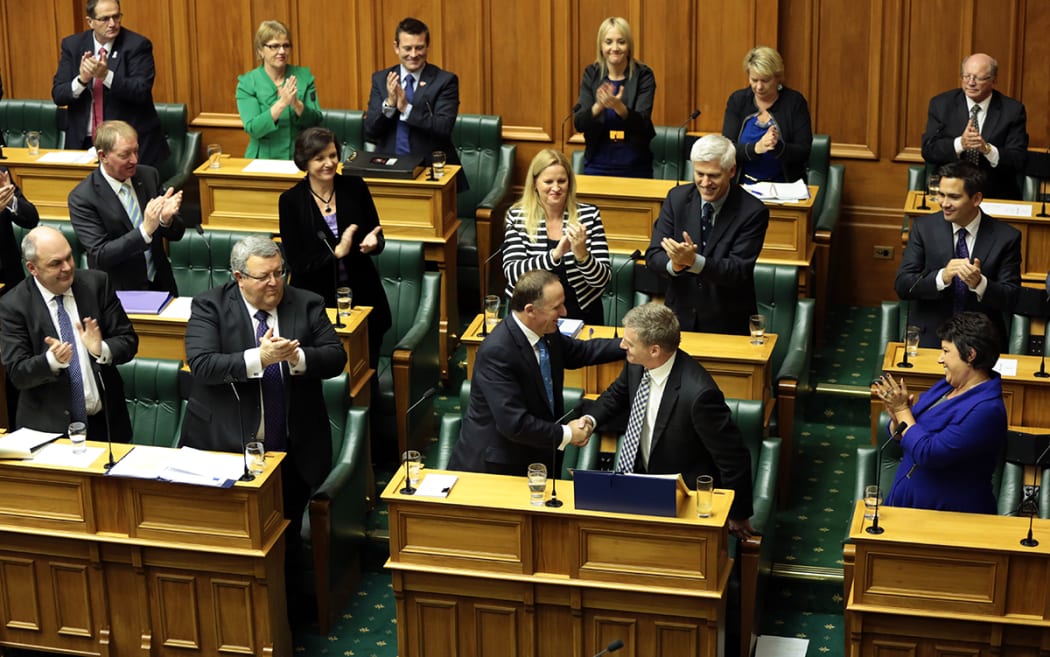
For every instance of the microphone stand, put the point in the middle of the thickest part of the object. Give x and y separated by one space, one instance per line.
874 528
631 259
554 502
907 319
247 476
612 647
211 259
692 116
335 278
431 111
409 489
483 273
105 411
575 108
1042 197
1029 540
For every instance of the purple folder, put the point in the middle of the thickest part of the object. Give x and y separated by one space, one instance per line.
143 302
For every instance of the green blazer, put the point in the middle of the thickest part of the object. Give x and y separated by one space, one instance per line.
256 94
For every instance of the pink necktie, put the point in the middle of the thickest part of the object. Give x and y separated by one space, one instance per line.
96 99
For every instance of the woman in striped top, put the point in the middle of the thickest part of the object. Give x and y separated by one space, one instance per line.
548 229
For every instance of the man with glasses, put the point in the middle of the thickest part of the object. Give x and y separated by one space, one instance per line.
978 124
105 73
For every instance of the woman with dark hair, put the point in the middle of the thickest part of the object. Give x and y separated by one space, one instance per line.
330 229
954 436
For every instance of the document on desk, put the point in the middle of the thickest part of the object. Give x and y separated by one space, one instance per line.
767 191
999 209
271 166
69 157
184 466
436 485
780 646
179 308
62 455
20 444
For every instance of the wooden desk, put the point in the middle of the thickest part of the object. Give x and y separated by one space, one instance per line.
165 337
98 565
1027 397
46 184
941 583
484 573
418 210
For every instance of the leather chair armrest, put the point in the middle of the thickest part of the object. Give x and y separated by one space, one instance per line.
1011 490
501 183
1020 331
796 360
889 329
346 473
419 346
184 167
829 213
765 486
448 434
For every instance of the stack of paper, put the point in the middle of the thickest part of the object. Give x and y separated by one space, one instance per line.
184 465
20 444
767 191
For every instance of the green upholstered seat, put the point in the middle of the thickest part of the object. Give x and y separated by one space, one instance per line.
20 115
619 295
826 209
151 393
203 262
348 126
184 144
670 157
64 227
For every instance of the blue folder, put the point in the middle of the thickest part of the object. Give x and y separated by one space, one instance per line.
597 490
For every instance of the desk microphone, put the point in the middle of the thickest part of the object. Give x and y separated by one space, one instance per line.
692 117
431 110
1029 540
875 529
907 320
247 476
483 273
616 297
612 647
211 259
105 411
1042 192
335 278
554 502
575 108
409 489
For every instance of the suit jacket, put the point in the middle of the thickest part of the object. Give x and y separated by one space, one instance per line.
930 247
1005 127
790 114
509 420
10 250
256 94
311 261
43 400
217 334
721 298
129 98
952 450
694 432
638 93
112 243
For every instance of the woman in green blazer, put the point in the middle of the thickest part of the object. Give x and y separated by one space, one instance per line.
275 100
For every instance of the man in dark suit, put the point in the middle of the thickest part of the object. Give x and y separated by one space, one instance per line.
512 419
959 259
978 124
106 73
679 423
14 209
56 328
712 268
413 106
258 351
122 219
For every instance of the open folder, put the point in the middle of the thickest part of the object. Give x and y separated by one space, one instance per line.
651 495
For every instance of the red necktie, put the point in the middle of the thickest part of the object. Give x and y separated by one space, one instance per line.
96 99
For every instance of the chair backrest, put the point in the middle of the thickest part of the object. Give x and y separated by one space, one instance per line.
203 262
401 268
336 391
619 295
19 116
348 126
151 392
817 168
776 290
64 227
184 145
669 156
748 415
477 138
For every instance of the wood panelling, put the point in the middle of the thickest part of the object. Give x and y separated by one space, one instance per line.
867 67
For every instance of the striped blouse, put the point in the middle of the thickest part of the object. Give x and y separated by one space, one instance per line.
588 278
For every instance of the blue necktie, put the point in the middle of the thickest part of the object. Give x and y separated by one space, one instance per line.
707 216
403 144
545 370
635 422
131 206
77 405
960 288
274 415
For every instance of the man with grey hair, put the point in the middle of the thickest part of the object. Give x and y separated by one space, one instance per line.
679 421
258 351
978 124
706 241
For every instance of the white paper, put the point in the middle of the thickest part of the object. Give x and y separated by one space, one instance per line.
1006 366
997 209
793 191
272 166
62 455
184 465
436 485
179 308
24 440
68 157
781 646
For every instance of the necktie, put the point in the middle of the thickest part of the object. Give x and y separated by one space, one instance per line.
274 416
403 145
958 286
635 422
131 206
545 371
973 156
77 406
707 216
96 99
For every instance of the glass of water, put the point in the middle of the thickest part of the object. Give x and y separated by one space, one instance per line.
255 454
872 498
77 433
911 341
758 329
491 312
537 483
344 299
438 160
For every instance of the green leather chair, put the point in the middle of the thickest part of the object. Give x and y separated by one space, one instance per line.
791 319
826 209
619 295
488 164
409 360
19 116
670 156
203 262
151 393
64 227
348 126
450 423
185 146
334 529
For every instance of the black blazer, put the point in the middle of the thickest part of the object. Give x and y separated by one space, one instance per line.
435 105
112 243
721 298
930 247
638 93
312 263
694 433
129 98
43 400
217 334
1005 127
11 272
509 420
790 114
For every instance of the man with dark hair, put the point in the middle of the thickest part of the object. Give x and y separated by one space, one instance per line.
977 124
959 259
106 73
413 106
14 209
679 421
516 390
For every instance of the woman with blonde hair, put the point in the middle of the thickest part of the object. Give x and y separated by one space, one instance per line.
548 229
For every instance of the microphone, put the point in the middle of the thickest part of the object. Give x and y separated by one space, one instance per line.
207 243
409 489
483 273
616 298
1029 541
335 277
247 476
692 116
575 108
907 319
875 529
431 110
1042 192
109 435
554 502
612 647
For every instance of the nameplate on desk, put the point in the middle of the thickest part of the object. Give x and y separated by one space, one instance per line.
650 495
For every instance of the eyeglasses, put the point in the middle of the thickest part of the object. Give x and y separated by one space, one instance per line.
112 17
274 47
975 78
265 278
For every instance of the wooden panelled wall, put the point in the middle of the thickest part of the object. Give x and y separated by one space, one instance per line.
868 68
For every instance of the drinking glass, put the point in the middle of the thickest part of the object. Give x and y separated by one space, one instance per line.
438 160
77 433
344 298
491 312
413 461
214 155
705 496
933 186
537 483
33 142
255 453
758 329
872 498
911 341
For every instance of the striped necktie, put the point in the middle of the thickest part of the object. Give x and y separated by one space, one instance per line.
274 414
131 206
632 439
77 405
973 156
